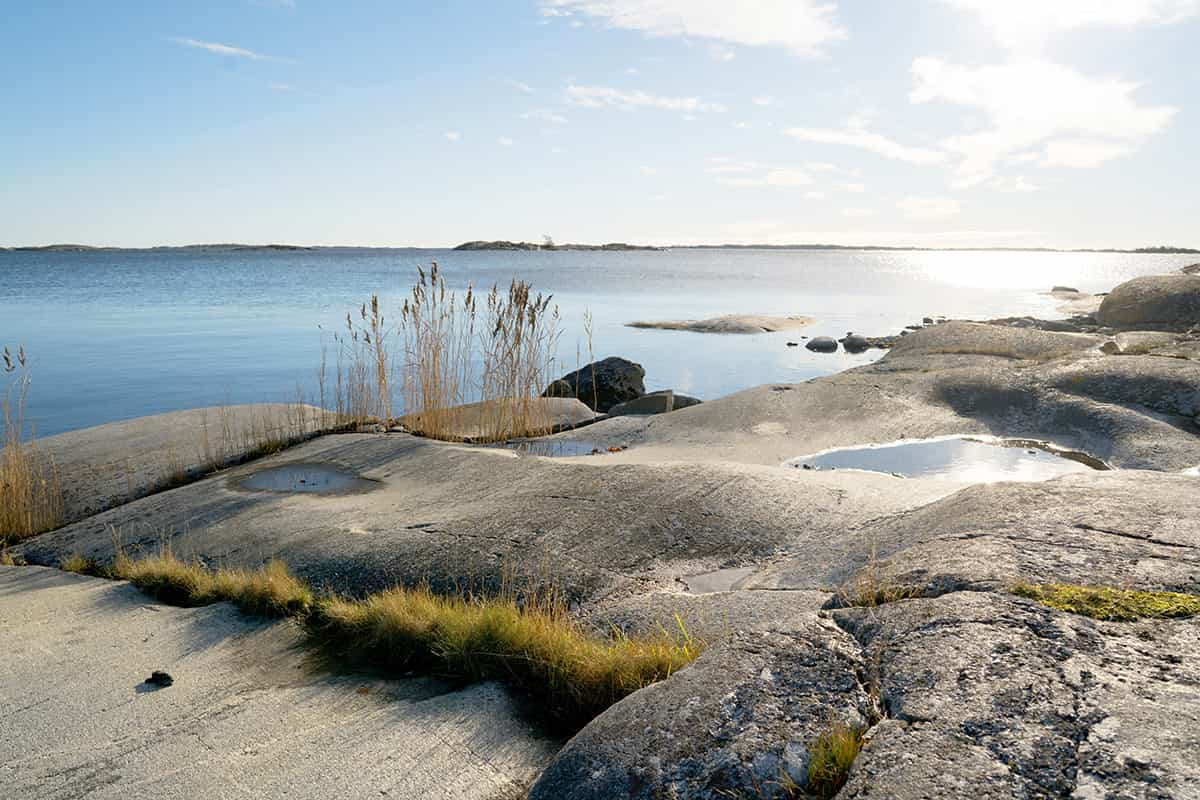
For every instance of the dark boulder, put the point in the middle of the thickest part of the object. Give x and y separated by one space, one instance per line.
822 344
856 343
601 385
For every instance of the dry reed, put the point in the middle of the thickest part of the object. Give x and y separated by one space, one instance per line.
496 352
31 498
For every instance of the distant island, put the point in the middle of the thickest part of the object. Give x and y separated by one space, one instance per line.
610 247
503 245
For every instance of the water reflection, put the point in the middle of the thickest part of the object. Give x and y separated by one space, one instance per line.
969 459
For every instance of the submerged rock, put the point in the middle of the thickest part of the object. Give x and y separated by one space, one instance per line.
603 384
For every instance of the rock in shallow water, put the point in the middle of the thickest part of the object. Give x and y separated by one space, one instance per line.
822 344
603 384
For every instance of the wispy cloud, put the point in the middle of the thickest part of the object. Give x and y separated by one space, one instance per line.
1033 106
779 178
649 172
634 99
227 50
1022 23
524 88
872 142
452 136
924 209
763 100
504 141
803 26
545 115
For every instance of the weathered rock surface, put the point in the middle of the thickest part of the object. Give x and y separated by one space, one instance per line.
603 384
1153 302
653 403
245 716
730 323
483 421
965 690
1138 343
104 466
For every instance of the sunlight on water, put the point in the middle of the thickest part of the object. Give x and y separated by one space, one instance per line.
957 458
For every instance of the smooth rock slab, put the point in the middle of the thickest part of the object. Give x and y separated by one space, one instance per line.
244 716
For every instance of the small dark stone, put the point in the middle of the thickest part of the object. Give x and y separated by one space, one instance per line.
160 678
793 344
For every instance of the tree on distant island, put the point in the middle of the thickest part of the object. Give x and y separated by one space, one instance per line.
547 241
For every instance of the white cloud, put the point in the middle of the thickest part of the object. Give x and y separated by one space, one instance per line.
859 212
862 118
871 142
1074 119
281 87
226 50
545 115
648 171
524 88
632 71
452 136
720 52
504 141
725 166
802 26
779 178
814 195
1014 184
633 99
928 208
1022 23
853 188
763 100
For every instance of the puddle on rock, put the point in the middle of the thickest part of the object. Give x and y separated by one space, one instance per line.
723 580
557 448
306 479
969 459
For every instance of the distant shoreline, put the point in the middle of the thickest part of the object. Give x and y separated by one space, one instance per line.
504 246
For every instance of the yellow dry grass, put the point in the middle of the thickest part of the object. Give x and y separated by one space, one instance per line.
31 498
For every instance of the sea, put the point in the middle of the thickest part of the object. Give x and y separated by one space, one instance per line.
116 334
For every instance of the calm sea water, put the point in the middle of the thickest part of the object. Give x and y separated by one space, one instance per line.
115 335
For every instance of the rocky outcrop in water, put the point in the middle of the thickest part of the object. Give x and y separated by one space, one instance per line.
602 384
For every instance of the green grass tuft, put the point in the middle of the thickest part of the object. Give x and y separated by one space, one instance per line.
830 757
1108 603
532 645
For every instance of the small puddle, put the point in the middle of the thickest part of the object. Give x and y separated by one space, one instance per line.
723 580
306 479
557 448
970 459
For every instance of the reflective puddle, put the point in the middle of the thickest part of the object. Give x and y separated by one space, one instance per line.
306 479
970 459
557 448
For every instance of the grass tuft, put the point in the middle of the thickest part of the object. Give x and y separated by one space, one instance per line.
530 643
1108 603
534 646
830 757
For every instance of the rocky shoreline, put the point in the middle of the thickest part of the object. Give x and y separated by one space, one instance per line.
880 603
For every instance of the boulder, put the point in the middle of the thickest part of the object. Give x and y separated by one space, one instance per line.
603 384
653 403
1191 269
659 402
822 344
856 343
1137 343
1153 302
1064 290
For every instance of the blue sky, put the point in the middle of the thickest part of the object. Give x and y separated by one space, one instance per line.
926 122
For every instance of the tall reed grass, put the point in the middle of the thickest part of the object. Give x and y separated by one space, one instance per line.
446 350
31 498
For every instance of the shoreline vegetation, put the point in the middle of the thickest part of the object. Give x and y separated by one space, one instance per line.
610 247
525 638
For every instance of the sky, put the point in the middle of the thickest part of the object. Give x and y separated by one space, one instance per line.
1063 123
